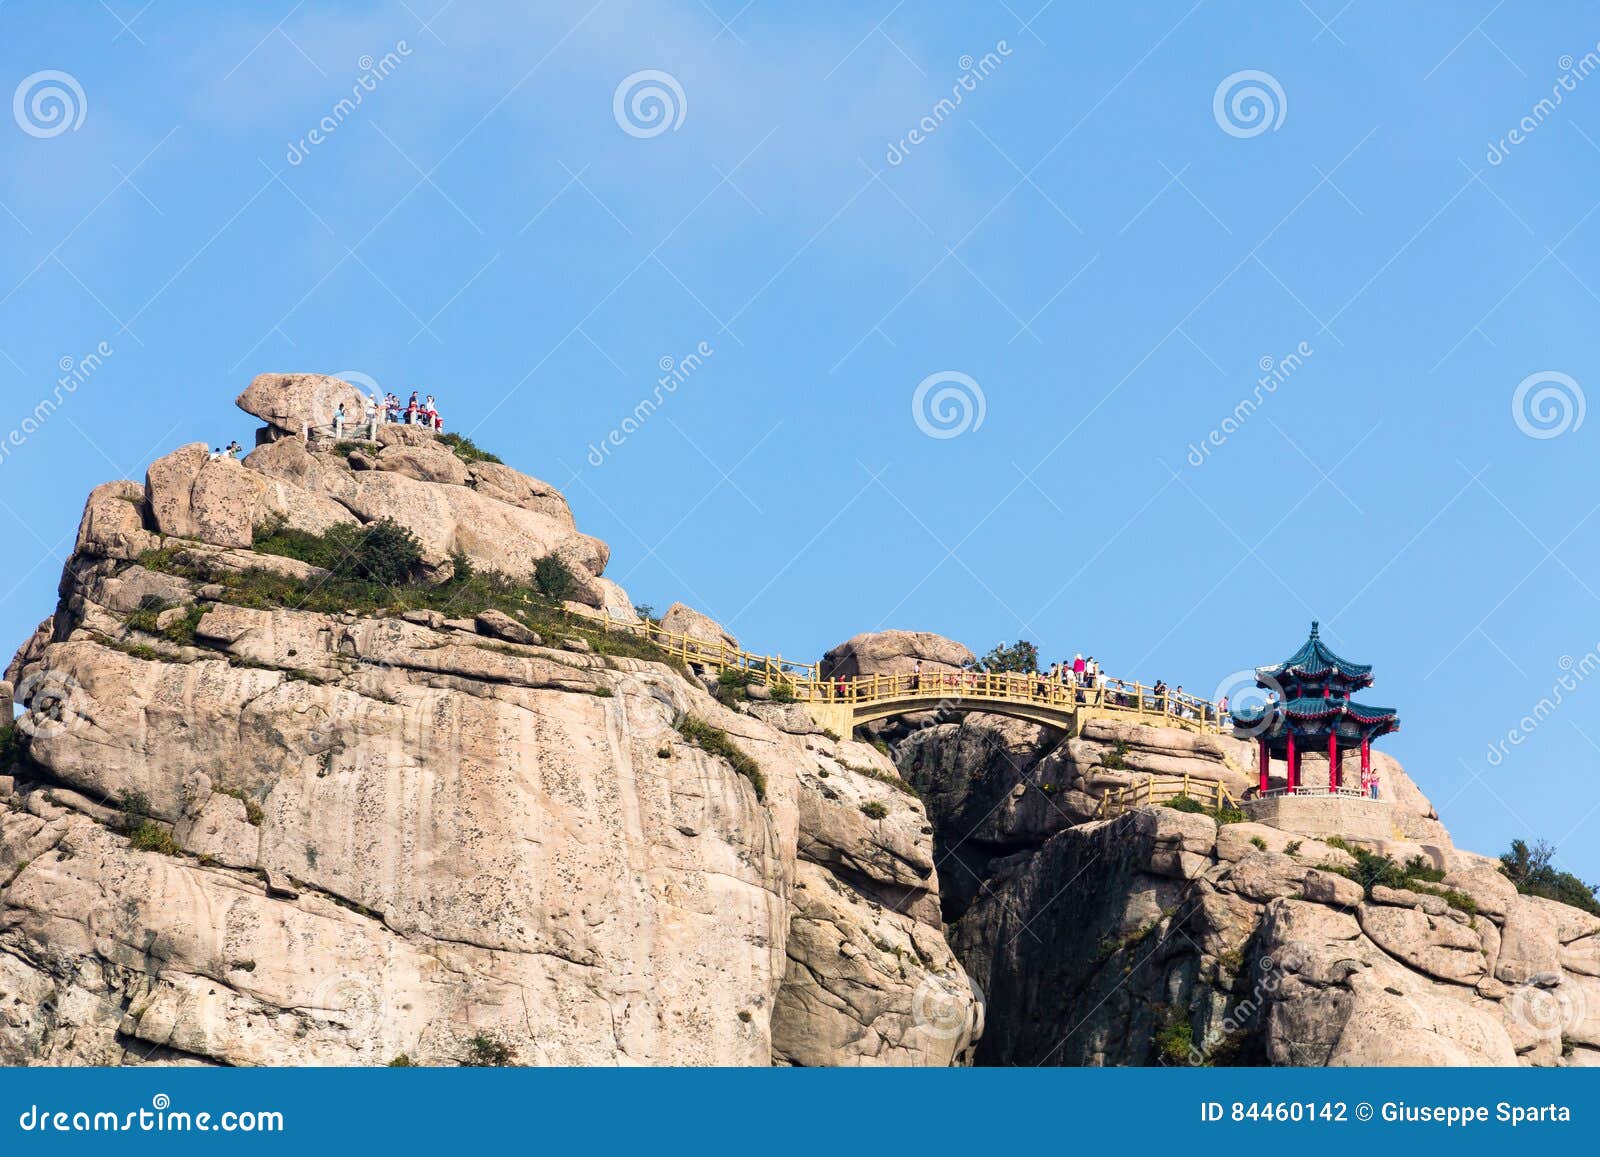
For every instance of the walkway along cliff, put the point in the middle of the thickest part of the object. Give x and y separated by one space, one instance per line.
351 754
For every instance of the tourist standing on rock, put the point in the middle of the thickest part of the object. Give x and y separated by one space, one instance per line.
234 450
916 676
1373 785
338 423
374 408
412 409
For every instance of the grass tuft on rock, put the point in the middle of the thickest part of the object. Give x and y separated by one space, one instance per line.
715 741
150 836
467 450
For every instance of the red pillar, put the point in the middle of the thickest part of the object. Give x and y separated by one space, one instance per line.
1366 756
1333 763
1294 779
1266 765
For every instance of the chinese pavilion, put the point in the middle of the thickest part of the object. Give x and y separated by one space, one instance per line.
1308 707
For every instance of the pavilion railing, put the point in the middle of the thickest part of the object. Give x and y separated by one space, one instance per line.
1160 789
1319 791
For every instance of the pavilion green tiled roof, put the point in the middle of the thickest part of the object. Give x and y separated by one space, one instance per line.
1316 661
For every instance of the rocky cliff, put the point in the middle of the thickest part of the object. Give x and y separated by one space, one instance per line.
241 823
1165 937
267 802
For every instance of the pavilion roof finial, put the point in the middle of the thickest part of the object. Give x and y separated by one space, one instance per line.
1314 632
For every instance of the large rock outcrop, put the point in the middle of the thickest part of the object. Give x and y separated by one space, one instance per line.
246 833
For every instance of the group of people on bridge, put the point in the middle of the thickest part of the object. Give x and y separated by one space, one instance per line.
1081 680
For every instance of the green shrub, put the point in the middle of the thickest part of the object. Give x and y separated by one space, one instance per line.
489 1051
1417 874
733 686
180 631
1532 871
1223 815
1174 1042
13 746
466 593
150 836
466 449
135 805
1021 656
783 693
382 552
403 1061
554 578
252 810
874 810
1259 842
715 741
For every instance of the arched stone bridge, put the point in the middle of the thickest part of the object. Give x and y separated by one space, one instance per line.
840 705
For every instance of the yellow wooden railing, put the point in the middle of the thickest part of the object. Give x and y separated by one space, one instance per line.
1135 699
1138 702
1158 789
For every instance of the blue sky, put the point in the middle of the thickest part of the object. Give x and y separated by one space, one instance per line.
1107 259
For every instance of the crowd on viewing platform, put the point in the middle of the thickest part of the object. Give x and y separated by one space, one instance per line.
389 411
